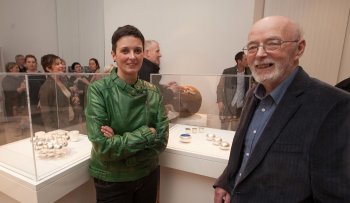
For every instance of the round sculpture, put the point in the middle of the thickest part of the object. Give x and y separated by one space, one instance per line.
189 101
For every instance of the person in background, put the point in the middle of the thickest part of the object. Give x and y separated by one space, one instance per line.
231 91
20 62
150 65
14 89
344 85
127 126
55 97
94 67
293 141
151 60
78 84
64 65
34 83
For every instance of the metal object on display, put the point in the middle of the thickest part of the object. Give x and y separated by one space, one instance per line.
210 136
189 100
224 145
185 138
53 144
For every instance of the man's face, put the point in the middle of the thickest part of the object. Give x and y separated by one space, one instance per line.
153 53
271 67
20 60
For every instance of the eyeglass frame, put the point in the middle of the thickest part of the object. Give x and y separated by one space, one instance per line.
263 45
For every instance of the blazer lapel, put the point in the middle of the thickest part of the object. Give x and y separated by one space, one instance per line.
238 141
278 120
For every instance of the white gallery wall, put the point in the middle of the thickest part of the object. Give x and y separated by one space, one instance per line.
28 27
80 31
195 36
326 30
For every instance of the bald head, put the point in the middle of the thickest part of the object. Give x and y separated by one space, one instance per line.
286 27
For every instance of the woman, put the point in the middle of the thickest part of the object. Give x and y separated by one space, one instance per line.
34 83
14 90
94 67
78 84
127 126
55 97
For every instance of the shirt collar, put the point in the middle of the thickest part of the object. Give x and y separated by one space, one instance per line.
279 91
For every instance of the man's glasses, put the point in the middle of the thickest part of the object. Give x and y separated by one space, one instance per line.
268 46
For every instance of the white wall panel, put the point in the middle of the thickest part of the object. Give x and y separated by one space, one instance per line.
195 36
344 71
80 30
28 27
324 23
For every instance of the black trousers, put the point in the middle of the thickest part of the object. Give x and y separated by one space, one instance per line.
143 190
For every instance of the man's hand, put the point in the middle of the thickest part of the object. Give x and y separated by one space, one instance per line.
221 196
107 131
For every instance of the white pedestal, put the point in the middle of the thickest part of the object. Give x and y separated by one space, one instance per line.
188 170
52 179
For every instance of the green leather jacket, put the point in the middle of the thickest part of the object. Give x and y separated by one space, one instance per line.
130 110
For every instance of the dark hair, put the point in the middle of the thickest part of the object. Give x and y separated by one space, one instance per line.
96 61
10 65
73 65
127 30
239 56
30 56
48 60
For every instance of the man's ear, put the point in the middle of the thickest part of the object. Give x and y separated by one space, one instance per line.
301 48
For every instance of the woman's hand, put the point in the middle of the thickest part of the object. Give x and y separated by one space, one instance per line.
107 131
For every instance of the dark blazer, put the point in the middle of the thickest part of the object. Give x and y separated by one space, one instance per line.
226 88
147 68
303 155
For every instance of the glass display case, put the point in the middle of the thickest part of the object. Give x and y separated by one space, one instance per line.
42 129
204 113
194 99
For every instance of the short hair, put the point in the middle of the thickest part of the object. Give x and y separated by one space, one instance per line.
73 65
48 60
127 30
10 65
29 56
18 55
148 43
96 61
239 56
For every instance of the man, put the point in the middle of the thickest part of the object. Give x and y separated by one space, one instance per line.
231 92
20 61
293 141
151 60
344 84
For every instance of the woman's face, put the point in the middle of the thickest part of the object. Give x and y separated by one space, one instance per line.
31 64
56 67
128 56
92 66
77 68
14 69
64 66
